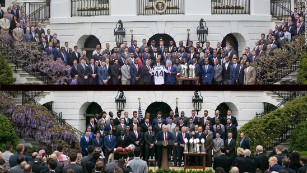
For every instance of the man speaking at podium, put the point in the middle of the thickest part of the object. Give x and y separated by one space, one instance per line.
163 135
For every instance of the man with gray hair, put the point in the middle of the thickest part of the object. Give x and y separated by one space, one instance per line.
234 170
261 159
247 164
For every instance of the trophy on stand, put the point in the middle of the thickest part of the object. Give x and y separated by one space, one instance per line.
191 71
197 146
184 70
186 150
191 146
203 145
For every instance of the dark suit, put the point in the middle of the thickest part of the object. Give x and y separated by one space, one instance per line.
51 52
75 167
39 31
233 120
36 167
171 77
180 140
149 139
157 129
115 73
302 169
222 161
64 57
109 143
160 137
81 73
146 75
244 143
92 70
208 148
133 138
135 72
231 148
84 144
247 164
128 121
241 75
122 142
262 161
226 74
97 143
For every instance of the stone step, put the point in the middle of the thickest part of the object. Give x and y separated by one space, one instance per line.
25 75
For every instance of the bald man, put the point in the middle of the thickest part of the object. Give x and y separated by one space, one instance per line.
163 135
60 165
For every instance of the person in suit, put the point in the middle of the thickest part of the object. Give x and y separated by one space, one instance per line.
122 139
18 33
115 73
125 71
244 143
208 73
241 73
218 71
37 164
249 74
218 143
146 73
234 71
52 166
92 73
51 51
17 168
163 135
48 36
112 165
85 159
231 117
135 72
303 161
170 74
73 165
247 164
180 142
1 12
4 24
261 159
222 161
82 73
136 137
97 142
28 37
85 142
208 147
109 143
63 55
230 146
138 165
226 71
103 74
149 143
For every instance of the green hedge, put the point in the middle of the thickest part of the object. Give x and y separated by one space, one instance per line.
7 133
261 131
302 72
299 137
6 73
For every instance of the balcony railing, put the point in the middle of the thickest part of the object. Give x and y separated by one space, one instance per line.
152 7
90 7
281 9
230 6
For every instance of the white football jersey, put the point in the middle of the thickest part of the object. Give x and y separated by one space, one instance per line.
158 73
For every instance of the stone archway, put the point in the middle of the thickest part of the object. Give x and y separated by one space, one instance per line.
165 37
236 40
154 107
225 106
87 110
88 43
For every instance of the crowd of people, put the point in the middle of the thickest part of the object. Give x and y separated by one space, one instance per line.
122 144
157 63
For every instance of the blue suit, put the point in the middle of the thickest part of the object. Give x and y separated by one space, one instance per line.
109 142
134 73
207 75
155 121
102 73
84 144
244 143
160 137
171 77
234 72
51 52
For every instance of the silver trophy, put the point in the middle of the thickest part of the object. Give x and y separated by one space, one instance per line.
191 146
182 71
197 146
203 145
191 71
186 150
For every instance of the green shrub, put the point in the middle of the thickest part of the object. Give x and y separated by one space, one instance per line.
262 131
302 73
7 133
6 73
299 137
303 153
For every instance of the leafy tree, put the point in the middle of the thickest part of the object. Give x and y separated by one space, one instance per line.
6 73
7 133
302 73
299 137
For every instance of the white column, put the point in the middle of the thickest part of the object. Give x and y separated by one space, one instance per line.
60 9
198 7
123 7
260 7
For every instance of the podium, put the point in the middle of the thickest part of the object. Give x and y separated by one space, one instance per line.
165 146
